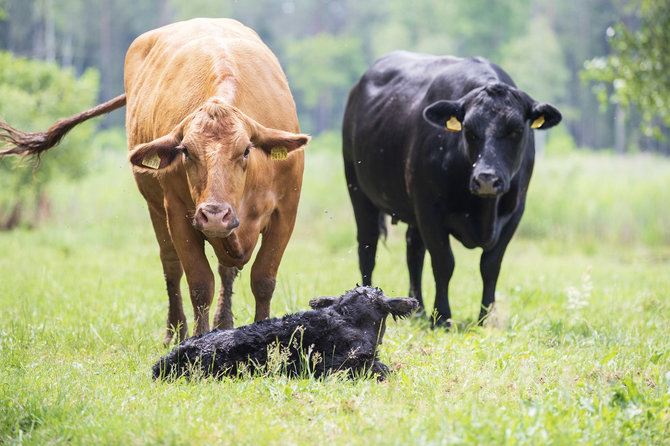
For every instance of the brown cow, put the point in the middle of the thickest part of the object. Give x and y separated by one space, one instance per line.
213 137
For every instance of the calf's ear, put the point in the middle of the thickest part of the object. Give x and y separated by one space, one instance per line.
401 306
323 302
157 155
447 115
543 116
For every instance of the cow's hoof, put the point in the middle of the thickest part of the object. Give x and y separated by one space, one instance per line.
440 323
419 313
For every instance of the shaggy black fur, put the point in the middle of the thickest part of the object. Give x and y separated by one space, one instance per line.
340 333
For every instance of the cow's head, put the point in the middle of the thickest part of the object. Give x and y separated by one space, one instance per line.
495 122
366 308
215 144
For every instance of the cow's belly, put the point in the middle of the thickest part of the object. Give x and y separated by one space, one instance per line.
381 176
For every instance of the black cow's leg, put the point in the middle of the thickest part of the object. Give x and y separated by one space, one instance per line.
443 268
489 266
367 225
436 240
416 252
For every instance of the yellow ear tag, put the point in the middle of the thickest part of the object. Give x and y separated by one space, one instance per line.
278 153
453 125
537 123
153 161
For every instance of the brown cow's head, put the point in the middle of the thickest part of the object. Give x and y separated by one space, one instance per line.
214 144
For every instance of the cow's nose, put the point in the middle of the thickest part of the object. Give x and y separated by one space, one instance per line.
216 219
486 184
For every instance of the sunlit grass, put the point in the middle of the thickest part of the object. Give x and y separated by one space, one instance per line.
578 354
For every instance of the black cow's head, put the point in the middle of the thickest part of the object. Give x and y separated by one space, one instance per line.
496 122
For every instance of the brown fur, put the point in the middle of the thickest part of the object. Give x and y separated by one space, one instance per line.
198 95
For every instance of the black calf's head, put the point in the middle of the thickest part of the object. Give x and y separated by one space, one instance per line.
366 306
495 122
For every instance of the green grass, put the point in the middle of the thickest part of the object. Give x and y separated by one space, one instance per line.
579 352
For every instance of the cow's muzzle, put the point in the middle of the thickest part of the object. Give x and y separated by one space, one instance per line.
486 184
215 220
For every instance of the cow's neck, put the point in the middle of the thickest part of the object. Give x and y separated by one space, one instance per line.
488 221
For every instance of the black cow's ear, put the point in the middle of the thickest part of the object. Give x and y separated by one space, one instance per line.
543 116
323 302
447 115
401 306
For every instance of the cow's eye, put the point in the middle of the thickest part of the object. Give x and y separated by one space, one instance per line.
471 136
184 150
514 134
247 150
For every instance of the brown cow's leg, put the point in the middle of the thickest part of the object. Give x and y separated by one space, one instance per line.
172 270
264 269
223 318
190 246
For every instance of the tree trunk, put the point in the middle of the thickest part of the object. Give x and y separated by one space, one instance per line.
619 130
49 32
106 51
14 218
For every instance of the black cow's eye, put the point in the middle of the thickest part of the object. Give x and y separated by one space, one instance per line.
514 134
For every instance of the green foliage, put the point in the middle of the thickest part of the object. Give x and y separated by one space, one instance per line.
35 94
322 69
578 353
559 142
531 60
600 197
639 67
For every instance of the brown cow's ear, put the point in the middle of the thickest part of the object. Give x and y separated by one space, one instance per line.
278 143
156 155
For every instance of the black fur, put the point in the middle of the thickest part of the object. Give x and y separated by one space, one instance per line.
339 334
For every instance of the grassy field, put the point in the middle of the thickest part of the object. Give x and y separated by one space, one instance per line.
579 352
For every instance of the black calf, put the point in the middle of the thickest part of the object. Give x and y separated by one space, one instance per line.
340 333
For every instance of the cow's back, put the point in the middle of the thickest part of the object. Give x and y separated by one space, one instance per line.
384 130
380 125
172 70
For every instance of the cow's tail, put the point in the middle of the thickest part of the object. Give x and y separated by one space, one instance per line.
24 144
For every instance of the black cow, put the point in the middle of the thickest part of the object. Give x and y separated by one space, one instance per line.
446 145
339 334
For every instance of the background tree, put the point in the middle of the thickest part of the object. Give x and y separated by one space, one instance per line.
34 94
638 70
325 45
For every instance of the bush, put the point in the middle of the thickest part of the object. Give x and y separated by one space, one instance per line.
35 94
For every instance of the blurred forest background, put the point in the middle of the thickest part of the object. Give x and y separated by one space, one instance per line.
604 63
